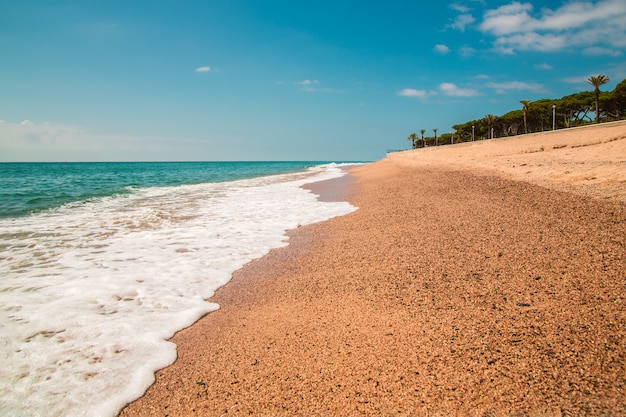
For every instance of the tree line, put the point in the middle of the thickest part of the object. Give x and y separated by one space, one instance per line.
573 110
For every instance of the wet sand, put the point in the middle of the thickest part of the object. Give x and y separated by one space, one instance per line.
477 279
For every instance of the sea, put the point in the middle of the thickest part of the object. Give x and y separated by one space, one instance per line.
101 263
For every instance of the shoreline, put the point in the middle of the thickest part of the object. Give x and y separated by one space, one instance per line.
451 291
336 189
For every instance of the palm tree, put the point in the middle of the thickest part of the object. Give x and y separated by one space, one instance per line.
435 130
525 104
422 131
596 81
412 137
490 118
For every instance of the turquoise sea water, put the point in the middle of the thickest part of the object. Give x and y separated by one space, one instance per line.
101 263
32 187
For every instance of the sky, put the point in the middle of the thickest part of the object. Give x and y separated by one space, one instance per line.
226 80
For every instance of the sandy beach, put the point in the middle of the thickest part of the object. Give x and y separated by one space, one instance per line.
479 279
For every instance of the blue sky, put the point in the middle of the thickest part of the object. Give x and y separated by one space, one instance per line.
282 79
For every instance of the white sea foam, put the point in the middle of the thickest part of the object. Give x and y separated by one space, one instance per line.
90 292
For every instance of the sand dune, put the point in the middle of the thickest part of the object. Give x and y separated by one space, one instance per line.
588 160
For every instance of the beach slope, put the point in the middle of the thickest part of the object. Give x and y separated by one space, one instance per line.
476 279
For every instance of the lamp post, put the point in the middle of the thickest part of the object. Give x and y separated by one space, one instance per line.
472 133
553 116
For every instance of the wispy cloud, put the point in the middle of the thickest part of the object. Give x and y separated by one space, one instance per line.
460 7
518 27
504 87
531 41
579 79
462 21
441 49
307 82
599 50
543 66
411 92
308 85
35 141
203 69
314 86
450 89
42 139
507 19
467 51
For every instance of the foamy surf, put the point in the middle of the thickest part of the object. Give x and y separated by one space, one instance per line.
91 291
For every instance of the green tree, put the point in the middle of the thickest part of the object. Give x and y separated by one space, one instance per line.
596 81
464 131
490 119
412 137
572 110
541 114
446 139
619 95
608 104
613 103
511 122
576 107
525 104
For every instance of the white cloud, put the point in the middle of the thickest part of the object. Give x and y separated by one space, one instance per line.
441 49
459 7
598 50
580 79
466 51
576 24
462 21
410 92
450 89
531 41
510 18
58 142
578 14
312 86
24 140
307 82
543 66
504 87
203 69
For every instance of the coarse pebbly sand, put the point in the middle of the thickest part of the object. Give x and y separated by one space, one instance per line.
479 279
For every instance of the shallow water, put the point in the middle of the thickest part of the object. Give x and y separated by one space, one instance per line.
91 289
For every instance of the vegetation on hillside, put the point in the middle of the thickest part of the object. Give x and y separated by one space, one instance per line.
537 116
